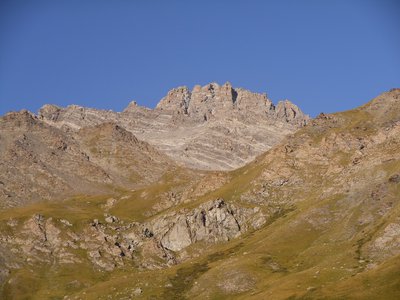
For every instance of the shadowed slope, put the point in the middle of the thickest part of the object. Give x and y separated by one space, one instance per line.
41 162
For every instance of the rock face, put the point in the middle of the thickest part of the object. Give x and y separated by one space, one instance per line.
213 102
212 222
211 127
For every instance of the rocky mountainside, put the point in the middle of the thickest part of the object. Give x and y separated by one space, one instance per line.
39 161
69 151
211 127
317 216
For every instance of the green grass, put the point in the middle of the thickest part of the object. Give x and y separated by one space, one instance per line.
136 205
75 210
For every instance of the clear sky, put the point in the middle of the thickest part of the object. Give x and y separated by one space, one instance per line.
322 55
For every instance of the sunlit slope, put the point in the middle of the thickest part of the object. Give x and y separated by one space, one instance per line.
337 182
330 195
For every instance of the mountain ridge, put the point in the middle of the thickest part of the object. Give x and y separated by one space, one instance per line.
208 128
40 161
317 216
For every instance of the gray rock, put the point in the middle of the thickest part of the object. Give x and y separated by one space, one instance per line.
213 221
178 237
211 127
138 291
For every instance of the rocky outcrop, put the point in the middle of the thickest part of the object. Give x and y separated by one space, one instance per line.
290 112
106 246
177 101
386 244
213 101
212 222
110 243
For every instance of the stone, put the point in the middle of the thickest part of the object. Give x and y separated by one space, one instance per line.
213 221
178 237
111 219
138 291
395 178
65 222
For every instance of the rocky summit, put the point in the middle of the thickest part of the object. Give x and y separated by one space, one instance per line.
217 193
210 128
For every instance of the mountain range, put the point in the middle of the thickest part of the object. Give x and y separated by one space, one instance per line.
216 193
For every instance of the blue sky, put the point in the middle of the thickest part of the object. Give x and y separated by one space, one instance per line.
323 55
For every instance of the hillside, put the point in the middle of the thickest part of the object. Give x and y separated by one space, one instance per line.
317 216
41 162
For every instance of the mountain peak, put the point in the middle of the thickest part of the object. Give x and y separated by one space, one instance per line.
290 112
214 101
216 127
